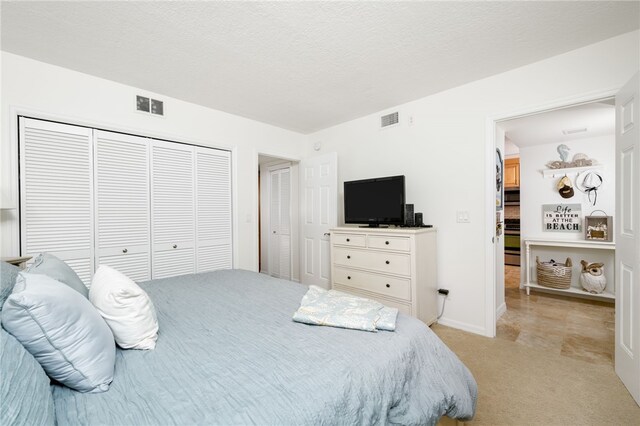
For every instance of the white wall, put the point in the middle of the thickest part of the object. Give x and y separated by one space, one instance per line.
536 190
510 149
443 155
74 97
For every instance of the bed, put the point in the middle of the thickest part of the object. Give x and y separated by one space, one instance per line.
228 353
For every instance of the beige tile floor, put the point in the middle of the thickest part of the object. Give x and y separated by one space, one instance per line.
576 328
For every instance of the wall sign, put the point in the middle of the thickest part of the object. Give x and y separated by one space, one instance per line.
562 217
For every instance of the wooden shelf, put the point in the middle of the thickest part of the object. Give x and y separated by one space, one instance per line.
572 291
569 171
597 245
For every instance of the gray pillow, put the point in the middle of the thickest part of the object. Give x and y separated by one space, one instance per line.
63 331
8 274
48 264
25 389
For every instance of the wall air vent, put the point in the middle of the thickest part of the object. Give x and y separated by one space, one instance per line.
574 131
389 120
148 105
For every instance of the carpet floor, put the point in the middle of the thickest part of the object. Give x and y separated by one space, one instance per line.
521 385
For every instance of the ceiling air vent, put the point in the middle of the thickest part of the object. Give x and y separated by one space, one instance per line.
389 120
148 105
574 131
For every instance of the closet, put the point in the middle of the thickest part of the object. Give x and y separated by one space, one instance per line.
149 208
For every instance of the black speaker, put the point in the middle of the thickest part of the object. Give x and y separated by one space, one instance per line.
419 219
408 215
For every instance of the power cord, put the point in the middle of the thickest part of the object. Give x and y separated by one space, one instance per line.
445 293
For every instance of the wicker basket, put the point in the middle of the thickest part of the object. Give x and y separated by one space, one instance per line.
553 274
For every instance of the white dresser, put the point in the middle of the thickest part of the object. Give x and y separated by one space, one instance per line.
395 266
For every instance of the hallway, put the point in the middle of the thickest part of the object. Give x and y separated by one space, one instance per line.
577 328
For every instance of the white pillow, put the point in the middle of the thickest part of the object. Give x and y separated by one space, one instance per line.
125 307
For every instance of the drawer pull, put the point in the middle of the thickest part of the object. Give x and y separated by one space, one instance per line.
348 240
348 257
124 250
386 242
387 262
175 246
388 285
348 277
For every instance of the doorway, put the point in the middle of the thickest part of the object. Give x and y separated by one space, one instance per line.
564 158
278 217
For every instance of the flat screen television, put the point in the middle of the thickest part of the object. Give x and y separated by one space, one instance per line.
376 202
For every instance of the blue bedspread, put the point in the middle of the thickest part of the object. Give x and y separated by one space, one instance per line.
229 353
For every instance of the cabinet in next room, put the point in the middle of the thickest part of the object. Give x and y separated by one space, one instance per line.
396 267
512 173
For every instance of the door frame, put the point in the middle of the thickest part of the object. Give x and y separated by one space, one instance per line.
490 215
279 159
271 168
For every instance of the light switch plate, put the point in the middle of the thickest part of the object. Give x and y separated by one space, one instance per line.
462 216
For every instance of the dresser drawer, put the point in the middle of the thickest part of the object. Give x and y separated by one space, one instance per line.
389 243
399 288
392 263
405 308
352 240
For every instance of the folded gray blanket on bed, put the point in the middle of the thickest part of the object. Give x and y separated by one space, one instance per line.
229 353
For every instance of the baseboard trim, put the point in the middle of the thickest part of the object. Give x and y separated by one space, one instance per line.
501 310
462 326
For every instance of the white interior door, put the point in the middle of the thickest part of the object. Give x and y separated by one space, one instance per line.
172 209
318 214
280 223
56 193
122 203
627 276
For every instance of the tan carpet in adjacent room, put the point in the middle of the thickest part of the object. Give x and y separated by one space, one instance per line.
521 385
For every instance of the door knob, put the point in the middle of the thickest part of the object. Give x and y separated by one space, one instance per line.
386 242
124 250
349 277
326 234
388 285
387 262
176 246
348 257
348 240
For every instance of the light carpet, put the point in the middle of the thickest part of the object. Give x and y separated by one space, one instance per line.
520 385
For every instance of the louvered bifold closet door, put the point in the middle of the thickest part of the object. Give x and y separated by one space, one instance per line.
274 223
123 223
213 209
172 209
56 191
284 256
280 222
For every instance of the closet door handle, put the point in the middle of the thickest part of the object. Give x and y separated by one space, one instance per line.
349 277
175 246
124 250
386 242
348 257
348 240
387 262
388 285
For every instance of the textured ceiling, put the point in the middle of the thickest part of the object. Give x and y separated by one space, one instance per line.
304 66
598 118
